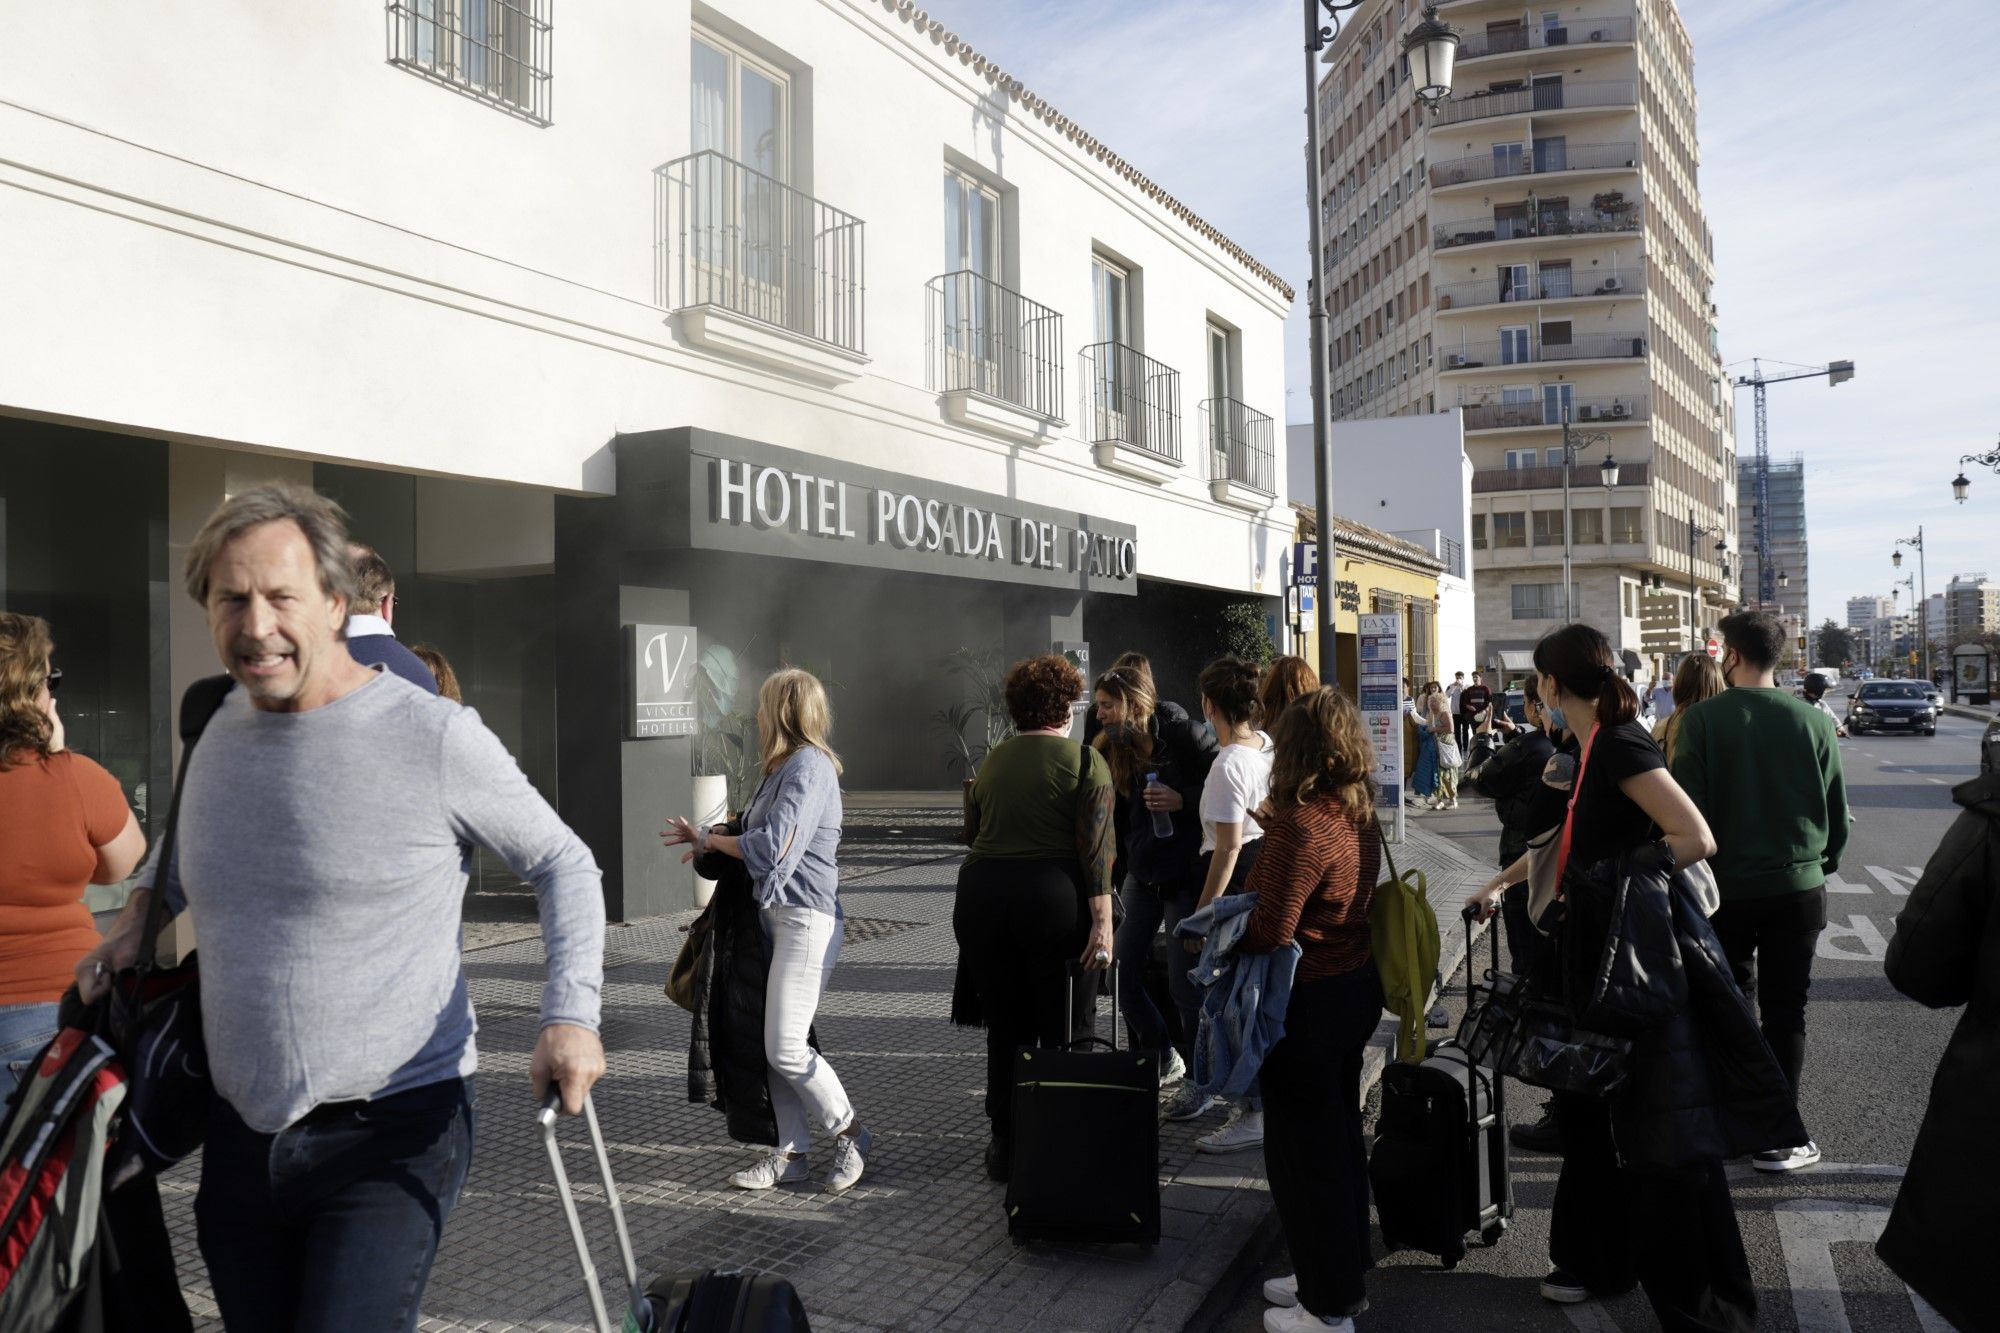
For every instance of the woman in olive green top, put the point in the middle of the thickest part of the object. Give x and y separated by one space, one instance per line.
1035 889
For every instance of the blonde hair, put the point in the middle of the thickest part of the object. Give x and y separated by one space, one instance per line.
792 715
1132 687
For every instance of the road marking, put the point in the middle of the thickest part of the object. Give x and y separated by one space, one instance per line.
1808 1229
1900 885
1590 1317
1939 781
1835 884
1873 948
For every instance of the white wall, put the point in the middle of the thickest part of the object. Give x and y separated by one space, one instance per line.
237 224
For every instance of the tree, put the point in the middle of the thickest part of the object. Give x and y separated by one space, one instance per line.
1244 633
1836 646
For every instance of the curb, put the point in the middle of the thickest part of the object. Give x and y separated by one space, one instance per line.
1265 1238
1976 714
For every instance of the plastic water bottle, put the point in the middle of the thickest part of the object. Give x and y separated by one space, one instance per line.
1163 823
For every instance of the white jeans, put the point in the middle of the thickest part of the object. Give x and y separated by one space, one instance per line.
805 945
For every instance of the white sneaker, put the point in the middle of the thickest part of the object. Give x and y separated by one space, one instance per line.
1283 1290
1187 1102
1787 1159
850 1152
1242 1131
776 1169
1297 1319
1173 1069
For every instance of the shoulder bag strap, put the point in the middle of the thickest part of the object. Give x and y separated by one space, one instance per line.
198 707
1569 814
1388 857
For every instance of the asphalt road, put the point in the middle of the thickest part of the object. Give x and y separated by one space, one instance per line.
1870 1057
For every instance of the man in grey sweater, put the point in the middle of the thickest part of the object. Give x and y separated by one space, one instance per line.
325 827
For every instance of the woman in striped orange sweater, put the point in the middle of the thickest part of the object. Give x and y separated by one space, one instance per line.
1314 884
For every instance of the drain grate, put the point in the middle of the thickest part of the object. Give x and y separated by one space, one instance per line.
876 928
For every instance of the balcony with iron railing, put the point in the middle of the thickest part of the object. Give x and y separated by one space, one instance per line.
1506 40
1533 349
1625 409
1547 284
758 268
1622 220
1543 158
1131 411
1500 481
1617 94
1242 460
990 348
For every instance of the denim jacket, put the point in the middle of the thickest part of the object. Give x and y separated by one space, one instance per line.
1244 996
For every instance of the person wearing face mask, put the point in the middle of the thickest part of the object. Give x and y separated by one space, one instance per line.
1159 760
1764 768
1643 1195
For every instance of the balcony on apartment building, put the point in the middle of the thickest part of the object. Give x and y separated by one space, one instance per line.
1242 459
1512 35
1515 283
1132 413
1621 410
995 357
1553 343
1543 157
1610 214
1544 95
1508 480
759 269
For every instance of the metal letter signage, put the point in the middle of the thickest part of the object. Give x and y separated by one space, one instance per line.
660 664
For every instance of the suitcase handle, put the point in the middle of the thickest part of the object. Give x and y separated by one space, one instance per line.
1070 972
546 1118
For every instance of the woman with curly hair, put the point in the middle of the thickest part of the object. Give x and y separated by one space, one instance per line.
64 824
1315 882
1035 889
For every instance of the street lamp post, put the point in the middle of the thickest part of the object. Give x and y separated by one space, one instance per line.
1961 483
1432 50
1695 534
1922 593
1571 446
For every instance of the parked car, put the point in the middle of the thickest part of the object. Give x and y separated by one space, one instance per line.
1892 705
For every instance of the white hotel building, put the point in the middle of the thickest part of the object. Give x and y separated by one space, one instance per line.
794 321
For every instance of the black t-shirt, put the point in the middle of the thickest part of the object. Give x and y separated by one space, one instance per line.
1472 700
1607 820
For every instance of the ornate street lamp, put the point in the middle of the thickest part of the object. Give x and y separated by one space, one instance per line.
1609 467
1432 48
1921 592
1784 579
1961 483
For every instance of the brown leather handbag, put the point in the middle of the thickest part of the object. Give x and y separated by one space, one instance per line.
681 976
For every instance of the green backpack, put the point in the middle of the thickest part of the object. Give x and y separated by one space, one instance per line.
1403 930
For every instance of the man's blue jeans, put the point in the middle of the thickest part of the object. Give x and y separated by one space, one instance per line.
1148 907
331 1225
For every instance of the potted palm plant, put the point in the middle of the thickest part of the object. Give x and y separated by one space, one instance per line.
725 751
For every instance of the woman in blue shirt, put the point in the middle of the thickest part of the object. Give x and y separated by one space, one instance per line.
790 841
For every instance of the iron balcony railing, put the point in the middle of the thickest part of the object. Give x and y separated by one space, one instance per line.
494 50
1493 481
1550 96
993 341
1239 444
1452 552
1547 284
1529 348
732 237
1521 37
1544 222
1544 156
1132 400
1582 412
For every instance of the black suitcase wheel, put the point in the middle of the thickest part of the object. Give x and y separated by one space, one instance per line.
1491 1236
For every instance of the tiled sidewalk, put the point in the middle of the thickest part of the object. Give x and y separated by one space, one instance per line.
920 1244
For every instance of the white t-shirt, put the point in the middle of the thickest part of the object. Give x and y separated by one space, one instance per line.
1451 693
1238 782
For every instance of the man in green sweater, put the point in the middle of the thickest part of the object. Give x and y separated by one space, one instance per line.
1764 769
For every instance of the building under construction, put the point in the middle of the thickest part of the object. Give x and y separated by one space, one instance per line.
1787 553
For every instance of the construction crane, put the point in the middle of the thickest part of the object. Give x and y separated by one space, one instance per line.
1838 372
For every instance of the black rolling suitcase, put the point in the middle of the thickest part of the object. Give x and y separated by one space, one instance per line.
692 1301
1439 1169
1086 1152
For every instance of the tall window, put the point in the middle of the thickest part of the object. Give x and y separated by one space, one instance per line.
1538 601
1548 527
1479 532
971 226
1589 527
1626 525
494 50
1111 301
1514 345
974 335
741 107
1558 400
1510 531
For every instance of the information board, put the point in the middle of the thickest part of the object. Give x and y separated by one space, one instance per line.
1381 692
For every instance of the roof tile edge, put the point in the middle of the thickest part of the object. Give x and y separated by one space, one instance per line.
1041 109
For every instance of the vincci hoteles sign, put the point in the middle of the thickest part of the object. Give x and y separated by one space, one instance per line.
763 500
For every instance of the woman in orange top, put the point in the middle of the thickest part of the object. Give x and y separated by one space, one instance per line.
64 824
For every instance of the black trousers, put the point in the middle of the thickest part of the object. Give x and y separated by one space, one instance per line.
1461 728
1770 943
1018 925
1673 1232
1314 1151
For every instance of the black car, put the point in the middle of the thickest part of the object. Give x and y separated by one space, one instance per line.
1892 705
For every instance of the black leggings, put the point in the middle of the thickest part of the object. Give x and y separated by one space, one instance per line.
1018 925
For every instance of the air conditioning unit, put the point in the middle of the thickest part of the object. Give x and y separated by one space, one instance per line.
1588 412
1457 175
1597 34
1616 412
1455 360
1611 285
1556 37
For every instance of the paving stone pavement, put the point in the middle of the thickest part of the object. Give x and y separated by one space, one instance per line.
920 1244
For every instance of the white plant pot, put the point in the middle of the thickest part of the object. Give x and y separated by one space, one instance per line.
711 806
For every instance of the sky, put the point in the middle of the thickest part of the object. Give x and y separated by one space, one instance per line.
1841 172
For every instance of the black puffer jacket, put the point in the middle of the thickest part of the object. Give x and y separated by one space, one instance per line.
1946 952
1704 1085
1183 752
1511 777
726 1065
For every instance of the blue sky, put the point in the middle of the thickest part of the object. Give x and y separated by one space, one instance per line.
1841 174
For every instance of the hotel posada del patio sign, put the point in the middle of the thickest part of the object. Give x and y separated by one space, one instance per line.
759 499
